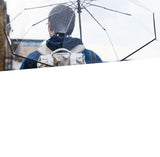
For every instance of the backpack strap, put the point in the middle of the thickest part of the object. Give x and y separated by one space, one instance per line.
78 49
77 52
43 49
60 50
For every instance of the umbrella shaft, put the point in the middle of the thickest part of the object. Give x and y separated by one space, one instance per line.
80 26
79 13
79 6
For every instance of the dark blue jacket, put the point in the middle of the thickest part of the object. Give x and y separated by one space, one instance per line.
58 41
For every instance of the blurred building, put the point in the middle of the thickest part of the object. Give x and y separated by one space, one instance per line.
20 47
5 55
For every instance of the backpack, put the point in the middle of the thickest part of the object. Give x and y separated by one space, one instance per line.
63 57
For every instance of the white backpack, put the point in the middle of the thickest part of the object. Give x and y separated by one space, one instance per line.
63 57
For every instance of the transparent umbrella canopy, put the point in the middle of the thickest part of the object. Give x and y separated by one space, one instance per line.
115 30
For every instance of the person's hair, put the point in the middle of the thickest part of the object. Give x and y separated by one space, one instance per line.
62 19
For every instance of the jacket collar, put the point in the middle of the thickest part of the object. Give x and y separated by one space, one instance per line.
62 41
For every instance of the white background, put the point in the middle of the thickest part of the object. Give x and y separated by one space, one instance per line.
92 110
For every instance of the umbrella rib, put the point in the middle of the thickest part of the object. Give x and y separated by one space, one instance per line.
155 38
44 19
16 16
111 9
88 2
73 3
14 54
94 18
70 20
105 32
35 8
46 6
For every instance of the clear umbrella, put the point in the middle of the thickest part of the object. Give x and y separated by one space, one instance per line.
115 30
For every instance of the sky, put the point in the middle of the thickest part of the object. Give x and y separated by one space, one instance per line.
124 33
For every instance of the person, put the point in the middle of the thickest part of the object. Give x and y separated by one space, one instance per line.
61 22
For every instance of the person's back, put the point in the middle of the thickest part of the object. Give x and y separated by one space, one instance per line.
61 24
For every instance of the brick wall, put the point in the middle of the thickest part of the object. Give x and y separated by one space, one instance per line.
1 35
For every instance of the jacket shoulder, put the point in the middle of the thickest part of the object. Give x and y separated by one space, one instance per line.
30 61
91 57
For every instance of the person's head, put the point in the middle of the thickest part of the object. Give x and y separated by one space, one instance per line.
61 20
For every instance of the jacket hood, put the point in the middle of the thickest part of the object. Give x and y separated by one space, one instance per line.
62 41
